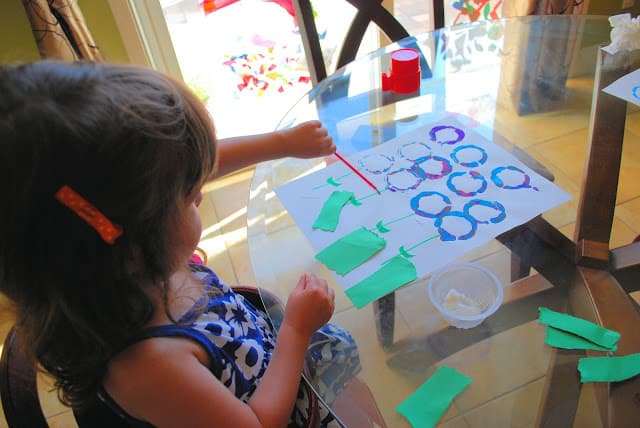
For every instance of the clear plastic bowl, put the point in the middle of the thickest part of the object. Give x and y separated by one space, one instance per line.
465 294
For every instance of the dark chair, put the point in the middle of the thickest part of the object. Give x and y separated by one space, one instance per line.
367 11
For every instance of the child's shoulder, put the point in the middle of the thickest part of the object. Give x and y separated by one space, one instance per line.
208 276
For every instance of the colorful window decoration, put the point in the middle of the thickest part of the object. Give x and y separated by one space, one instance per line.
464 11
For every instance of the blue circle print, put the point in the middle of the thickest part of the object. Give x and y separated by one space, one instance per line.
448 236
495 205
495 177
482 156
415 204
482 186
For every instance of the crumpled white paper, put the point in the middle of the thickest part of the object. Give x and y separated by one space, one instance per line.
625 34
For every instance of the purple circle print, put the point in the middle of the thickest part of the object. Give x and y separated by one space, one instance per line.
433 134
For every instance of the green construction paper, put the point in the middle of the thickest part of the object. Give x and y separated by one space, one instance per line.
394 272
330 213
350 251
583 328
428 403
562 339
609 369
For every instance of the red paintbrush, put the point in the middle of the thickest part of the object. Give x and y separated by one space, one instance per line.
352 168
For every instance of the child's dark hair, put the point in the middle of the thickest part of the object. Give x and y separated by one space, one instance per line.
132 142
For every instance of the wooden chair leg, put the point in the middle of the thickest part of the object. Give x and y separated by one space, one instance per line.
561 390
384 313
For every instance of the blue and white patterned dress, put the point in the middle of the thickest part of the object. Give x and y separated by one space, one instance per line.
239 340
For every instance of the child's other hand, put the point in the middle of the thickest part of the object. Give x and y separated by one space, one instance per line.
307 140
310 305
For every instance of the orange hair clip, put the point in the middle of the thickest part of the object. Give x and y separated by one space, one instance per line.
107 230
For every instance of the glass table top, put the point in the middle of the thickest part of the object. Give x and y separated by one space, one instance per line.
525 84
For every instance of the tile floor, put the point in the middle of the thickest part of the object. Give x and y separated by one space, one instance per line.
224 238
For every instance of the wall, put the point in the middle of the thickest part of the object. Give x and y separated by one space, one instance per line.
104 30
17 42
16 39
611 7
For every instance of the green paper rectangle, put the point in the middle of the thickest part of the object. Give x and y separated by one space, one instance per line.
330 213
583 328
427 404
562 339
609 369
394 273
350 251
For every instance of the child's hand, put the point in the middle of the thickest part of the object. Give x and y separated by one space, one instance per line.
310 305
307 140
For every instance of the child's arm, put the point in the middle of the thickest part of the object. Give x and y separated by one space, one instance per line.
309 307
307 140
166 381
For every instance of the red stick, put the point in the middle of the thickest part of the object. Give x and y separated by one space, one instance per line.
352 168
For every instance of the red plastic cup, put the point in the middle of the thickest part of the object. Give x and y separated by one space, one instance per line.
404 74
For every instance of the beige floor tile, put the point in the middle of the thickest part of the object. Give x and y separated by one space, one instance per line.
515 409
457 422
621 233
229 196
6 322
525 131
629 213
51 406
588 413
567 154
563 214
241 262
218 258
63 420
498 366
213 241
633 122
390 387
628 186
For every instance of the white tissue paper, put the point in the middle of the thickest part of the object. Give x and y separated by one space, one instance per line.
625 34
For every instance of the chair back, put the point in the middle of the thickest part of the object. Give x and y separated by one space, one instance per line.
19 392
367 11
18 386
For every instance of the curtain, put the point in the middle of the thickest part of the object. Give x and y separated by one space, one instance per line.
60 30
559 7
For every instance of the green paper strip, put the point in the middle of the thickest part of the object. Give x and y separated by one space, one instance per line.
394 273
609 369
562 339
351 250
427 404
583 328
330 213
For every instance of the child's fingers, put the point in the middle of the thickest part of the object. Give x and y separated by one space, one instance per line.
303 282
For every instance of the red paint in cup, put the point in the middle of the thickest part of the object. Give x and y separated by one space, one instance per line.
404 74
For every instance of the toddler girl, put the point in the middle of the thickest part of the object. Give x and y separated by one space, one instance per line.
102 167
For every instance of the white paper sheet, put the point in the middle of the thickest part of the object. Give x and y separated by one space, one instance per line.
627 87
511 194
